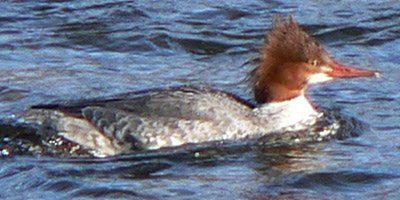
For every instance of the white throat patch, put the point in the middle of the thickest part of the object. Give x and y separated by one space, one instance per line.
319 78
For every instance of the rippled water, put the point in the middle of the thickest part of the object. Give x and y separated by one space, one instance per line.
65 50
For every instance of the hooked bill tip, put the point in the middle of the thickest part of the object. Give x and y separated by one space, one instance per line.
343 71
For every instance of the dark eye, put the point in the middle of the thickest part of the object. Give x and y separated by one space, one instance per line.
315 63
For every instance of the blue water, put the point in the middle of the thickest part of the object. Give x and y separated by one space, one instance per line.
55 50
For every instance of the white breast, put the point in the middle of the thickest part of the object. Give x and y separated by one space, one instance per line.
280 115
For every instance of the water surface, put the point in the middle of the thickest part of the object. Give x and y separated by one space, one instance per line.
56 50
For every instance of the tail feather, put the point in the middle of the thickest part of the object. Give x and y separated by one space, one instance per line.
85 134
53 123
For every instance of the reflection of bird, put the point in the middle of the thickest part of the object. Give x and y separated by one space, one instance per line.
291 59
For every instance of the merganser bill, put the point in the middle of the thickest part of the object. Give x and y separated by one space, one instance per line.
290 61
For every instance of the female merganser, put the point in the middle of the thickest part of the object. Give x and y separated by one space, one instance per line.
291 59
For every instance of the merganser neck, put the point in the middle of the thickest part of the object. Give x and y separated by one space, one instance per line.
284 114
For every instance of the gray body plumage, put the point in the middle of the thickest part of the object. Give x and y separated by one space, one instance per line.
161 118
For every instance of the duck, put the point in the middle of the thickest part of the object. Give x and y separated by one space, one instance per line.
290 61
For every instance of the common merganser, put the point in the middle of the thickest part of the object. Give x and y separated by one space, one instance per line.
290 61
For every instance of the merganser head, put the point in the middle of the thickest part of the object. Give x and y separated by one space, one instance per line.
292 59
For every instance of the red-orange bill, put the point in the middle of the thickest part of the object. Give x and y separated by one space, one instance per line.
343 71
